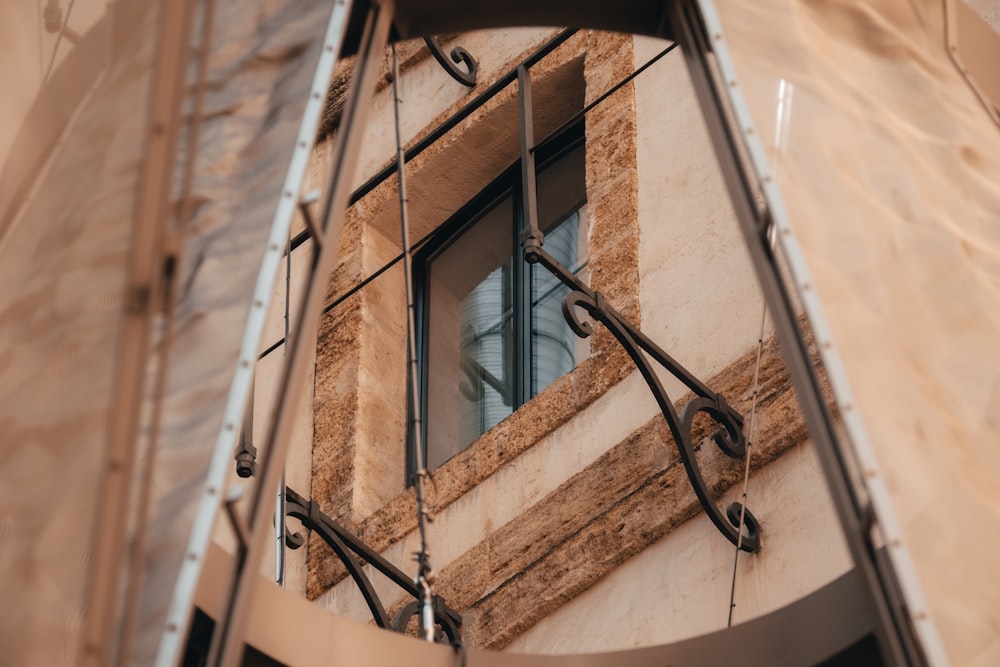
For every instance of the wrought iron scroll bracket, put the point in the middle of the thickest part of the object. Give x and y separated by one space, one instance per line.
728 438
458 56
353 553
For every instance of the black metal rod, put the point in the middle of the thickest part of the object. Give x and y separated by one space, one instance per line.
681 425
308 513
641 340
636 344
529 187
312 518
440 130
461 114
730 439
529 225
458 55
575 118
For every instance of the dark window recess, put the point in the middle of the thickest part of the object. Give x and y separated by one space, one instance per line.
200 640
493 333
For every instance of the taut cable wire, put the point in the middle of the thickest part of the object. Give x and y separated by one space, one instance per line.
279 501
750 442
343 296
424 575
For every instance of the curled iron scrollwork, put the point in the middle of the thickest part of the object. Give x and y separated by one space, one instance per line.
728 437
447 630
353 553
458 56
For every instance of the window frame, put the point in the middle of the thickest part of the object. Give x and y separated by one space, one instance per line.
507 183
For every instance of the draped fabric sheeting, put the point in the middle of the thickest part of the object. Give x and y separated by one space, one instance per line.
890 168
260 70
64 262
887 159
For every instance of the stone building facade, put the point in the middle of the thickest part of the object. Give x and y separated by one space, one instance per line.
570 525
575 479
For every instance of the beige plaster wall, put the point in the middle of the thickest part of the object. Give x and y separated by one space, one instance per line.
701 302
680 271
699 295
680 586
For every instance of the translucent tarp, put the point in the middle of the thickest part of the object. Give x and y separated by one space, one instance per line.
63 253
65 237
890 167
35 38
263 59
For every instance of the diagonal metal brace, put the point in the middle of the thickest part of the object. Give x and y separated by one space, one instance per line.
641 349
353 553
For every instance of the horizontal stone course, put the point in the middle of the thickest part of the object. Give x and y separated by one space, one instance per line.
632 496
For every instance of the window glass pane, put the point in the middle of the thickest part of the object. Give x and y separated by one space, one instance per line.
561 190
470 337
555 349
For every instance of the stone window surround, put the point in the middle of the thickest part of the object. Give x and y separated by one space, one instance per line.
504 191
612 207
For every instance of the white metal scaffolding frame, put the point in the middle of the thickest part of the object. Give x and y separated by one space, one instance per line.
228 641
178 620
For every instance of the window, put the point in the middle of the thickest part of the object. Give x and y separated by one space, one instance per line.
493 331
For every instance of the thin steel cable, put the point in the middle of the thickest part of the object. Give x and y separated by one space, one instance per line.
279 501
423 579
336 301
746 468
752 422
